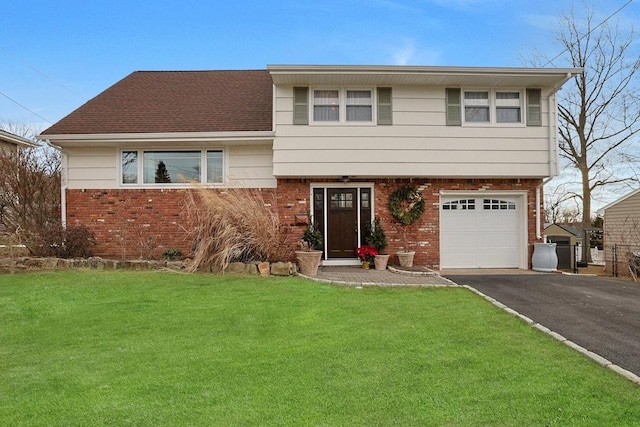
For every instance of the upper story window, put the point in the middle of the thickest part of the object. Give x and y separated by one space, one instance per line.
342 105
476 107
500 107
326 106
359 106
508 107
151 167
492 107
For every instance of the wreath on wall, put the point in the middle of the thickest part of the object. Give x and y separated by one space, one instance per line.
406 205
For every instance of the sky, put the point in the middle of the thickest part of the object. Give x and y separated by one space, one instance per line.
57 54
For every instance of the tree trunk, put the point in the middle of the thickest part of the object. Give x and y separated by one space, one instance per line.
586 216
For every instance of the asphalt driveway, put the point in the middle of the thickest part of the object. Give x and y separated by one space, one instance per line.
599 314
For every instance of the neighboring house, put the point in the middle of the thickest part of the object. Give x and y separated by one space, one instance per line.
330 141
9 141
621 235
567 239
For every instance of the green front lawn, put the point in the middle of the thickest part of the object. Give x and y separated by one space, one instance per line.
154 348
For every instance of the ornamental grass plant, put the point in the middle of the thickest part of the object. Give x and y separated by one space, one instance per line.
235 224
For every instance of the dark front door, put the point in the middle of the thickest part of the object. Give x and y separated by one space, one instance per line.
342 222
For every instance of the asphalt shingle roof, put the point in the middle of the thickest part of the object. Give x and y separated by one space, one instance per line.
176 101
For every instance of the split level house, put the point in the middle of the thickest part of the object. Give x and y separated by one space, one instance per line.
329 142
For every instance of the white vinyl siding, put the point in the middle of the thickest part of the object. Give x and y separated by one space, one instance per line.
622 227
418 144
246 166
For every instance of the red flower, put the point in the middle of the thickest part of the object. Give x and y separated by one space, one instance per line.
366 253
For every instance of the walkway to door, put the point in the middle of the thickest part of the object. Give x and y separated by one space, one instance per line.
357 276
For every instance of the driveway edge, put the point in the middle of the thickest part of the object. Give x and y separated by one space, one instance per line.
591 355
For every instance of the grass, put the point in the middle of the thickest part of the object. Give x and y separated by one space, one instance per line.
141 348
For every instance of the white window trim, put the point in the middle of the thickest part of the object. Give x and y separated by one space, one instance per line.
492 108
342 106
203 168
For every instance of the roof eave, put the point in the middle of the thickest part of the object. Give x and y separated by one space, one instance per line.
113 138
602 210
15 139
421 75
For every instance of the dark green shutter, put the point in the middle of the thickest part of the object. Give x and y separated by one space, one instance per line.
534 107
300 105
385 112
452 101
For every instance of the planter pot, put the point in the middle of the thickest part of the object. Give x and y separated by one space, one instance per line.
381 261
308 261
544 257
366 265
406 258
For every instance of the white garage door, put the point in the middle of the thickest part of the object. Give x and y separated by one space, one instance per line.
480 232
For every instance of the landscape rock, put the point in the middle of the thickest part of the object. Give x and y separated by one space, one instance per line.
281 269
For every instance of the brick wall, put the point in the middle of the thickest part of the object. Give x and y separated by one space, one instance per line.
143 223
293 199
131 224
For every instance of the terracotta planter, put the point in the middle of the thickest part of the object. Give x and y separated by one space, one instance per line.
406 258
381 261
308 261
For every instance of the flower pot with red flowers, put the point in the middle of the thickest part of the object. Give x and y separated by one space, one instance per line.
367 254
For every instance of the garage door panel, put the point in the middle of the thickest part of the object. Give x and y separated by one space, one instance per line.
480 232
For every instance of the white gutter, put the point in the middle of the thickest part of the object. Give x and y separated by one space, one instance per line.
160 136
63 188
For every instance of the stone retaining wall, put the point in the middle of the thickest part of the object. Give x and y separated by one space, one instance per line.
96 263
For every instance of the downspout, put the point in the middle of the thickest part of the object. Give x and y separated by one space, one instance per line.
553 152
63 188
538 210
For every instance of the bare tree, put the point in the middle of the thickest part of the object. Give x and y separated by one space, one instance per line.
599 115
557 201
29 189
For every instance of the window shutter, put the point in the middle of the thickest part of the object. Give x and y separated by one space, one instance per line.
534 107
452 100
385 112
300 105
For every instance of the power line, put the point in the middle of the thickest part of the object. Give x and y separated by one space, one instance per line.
590 31
26 108
16 57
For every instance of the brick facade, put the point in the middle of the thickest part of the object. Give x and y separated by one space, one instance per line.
130 224
143 223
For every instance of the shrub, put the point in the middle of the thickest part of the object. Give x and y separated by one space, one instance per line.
172 254
312 237
234 225
377 238
29 192
75 241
